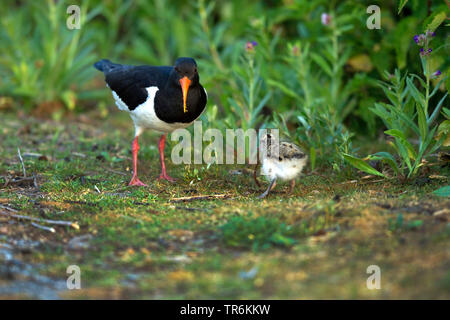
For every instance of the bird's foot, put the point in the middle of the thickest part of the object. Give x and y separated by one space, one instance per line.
262 195
136 182
165 176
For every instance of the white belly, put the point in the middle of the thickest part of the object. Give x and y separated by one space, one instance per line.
285 170
144 116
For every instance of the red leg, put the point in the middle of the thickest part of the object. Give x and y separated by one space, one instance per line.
135 180
161 145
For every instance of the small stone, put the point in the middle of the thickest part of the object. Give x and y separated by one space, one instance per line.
80 242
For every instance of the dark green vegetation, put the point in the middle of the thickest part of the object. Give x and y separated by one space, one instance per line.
352 98
278 64
143 243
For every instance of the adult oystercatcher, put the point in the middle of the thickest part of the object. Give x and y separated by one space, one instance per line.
286 164
161 98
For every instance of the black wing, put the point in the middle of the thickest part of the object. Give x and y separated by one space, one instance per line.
130 82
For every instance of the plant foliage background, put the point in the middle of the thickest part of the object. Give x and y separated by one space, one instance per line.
311 68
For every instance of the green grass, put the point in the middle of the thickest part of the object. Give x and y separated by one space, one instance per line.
315 243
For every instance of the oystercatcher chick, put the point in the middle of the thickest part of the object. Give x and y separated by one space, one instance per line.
280 160
162 98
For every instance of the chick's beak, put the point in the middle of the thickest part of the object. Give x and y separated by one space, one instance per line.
185 82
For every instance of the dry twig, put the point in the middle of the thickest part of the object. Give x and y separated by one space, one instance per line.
206 197
56 222
21 161
50 229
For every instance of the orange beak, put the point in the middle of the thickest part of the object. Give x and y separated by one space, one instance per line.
185 82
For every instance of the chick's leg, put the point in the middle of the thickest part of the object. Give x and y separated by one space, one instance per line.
291 189
271 186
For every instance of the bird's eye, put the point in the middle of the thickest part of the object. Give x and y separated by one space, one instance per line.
195 70
177 70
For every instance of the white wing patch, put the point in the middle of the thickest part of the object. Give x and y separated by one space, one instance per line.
144 116
119 103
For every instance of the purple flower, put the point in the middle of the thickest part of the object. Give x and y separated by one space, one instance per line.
430 34
325 18
425 53
437 73
420 39
250 46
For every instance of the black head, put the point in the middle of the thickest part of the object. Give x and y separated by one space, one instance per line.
185 75
186 67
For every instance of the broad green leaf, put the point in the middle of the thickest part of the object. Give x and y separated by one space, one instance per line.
442 192
402 139
362 165
388 158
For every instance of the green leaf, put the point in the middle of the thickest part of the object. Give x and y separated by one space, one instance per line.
362 165
436 111
283 88
280 239
447 84
400 42
414 224
446 112
415 92
388 158
436 88
403 114
422 149
422 119
312 157
322 63
401 4
437 20
442 192
424 85
402 139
